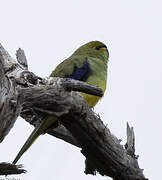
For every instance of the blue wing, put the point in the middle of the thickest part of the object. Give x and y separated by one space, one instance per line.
82 72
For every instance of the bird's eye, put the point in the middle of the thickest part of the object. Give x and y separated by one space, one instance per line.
98 47
101 47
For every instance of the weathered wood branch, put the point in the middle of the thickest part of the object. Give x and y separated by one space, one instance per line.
7 169
33 98
9 105
98 145
21 58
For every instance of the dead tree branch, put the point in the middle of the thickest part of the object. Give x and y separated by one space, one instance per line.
23 93
7 169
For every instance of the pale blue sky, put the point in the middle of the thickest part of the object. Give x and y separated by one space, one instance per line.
49 31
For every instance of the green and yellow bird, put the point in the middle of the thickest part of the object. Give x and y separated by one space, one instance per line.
88 63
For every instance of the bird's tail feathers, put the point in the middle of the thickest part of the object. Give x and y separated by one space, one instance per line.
40 129
34 135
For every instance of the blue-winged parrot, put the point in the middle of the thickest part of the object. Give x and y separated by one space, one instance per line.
88 63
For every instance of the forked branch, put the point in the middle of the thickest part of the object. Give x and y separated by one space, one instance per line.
23 93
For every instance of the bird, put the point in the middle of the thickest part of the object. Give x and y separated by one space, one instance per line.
89 64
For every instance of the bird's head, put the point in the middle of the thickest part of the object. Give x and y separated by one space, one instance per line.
94 49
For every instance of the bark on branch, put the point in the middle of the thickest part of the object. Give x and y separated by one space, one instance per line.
23 93
7 169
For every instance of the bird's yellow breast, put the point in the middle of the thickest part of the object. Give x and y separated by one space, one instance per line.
91 99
